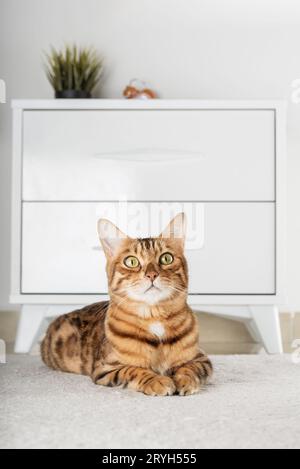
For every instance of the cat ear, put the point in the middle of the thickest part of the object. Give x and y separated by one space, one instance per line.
110 237
176 229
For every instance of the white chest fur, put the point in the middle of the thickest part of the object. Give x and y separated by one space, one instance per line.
157 329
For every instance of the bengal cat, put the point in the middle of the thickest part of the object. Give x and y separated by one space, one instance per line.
146 336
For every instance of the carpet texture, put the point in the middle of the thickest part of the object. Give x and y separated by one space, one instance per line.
253 402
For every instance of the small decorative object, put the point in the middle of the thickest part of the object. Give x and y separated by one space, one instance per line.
138 89
72 72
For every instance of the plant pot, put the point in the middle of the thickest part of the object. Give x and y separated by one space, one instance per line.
72 94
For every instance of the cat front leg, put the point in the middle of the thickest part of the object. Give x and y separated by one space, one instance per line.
190 376
137 378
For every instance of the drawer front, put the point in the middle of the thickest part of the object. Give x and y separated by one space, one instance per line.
147 155
230 246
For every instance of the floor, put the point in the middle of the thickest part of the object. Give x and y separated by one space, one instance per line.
253 402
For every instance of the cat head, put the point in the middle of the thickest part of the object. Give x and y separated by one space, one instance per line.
147 270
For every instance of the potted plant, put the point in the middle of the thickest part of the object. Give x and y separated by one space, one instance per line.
72 72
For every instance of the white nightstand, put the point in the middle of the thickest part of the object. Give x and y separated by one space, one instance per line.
222 162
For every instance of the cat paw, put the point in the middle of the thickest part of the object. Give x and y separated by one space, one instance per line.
187 385
159 386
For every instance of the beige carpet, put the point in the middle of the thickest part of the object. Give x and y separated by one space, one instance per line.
253 402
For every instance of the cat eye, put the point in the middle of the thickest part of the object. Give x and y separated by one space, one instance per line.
166 258
131 262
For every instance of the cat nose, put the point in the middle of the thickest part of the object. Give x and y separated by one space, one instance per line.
151 272
152 275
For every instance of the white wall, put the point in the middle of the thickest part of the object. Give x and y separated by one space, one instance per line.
184 48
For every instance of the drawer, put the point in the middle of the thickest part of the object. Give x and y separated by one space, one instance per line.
148 155
230 246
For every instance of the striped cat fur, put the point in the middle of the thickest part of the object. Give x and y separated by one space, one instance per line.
145 337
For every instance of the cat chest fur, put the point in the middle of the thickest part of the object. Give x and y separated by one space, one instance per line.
157 329
141 346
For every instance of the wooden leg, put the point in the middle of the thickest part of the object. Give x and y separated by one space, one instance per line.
264 325
253 330
2 351
29 327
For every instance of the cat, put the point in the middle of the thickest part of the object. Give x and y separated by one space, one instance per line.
145 337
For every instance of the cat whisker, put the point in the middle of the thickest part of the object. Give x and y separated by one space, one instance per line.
124 290
171 285
178 289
